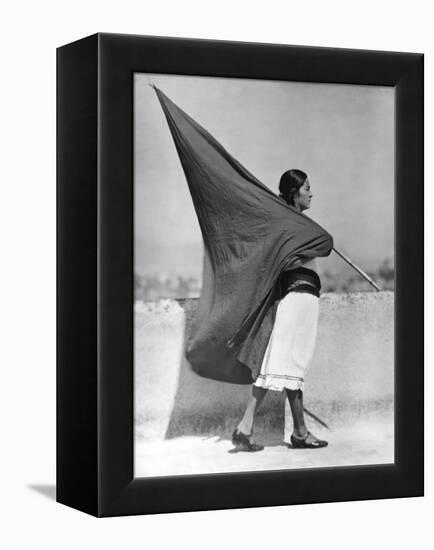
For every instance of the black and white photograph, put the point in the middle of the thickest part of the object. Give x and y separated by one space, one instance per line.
217 263
264 248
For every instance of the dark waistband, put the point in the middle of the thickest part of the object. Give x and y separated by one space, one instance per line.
300 279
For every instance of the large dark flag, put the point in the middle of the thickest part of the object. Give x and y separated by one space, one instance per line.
250 236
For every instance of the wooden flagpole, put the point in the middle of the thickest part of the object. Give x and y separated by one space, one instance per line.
309 413
362 273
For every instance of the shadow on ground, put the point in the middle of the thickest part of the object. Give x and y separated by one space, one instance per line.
48 491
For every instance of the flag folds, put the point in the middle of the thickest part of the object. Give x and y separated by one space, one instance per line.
250 236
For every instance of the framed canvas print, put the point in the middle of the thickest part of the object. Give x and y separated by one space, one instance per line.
240 274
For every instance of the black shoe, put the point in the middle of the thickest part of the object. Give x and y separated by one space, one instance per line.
307 442
243 443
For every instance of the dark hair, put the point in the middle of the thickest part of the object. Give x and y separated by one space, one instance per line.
290 183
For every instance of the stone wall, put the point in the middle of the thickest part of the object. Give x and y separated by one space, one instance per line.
351 374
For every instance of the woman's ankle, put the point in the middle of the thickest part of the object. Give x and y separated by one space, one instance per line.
242 429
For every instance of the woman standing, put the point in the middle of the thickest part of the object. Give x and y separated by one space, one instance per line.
291 344
255 243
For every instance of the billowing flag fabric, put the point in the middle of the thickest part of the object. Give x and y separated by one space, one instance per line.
250 236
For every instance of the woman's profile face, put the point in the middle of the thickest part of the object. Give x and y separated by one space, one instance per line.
303 199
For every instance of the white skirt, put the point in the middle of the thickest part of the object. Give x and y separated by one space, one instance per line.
291 344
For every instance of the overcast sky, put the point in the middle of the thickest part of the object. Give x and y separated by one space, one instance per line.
342 136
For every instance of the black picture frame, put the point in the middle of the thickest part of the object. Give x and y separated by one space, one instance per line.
95 274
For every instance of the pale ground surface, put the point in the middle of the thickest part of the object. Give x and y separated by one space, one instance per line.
361 444
183 422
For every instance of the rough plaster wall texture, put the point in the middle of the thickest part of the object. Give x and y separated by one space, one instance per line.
351 373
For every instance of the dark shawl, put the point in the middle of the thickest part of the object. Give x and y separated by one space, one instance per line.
250 236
